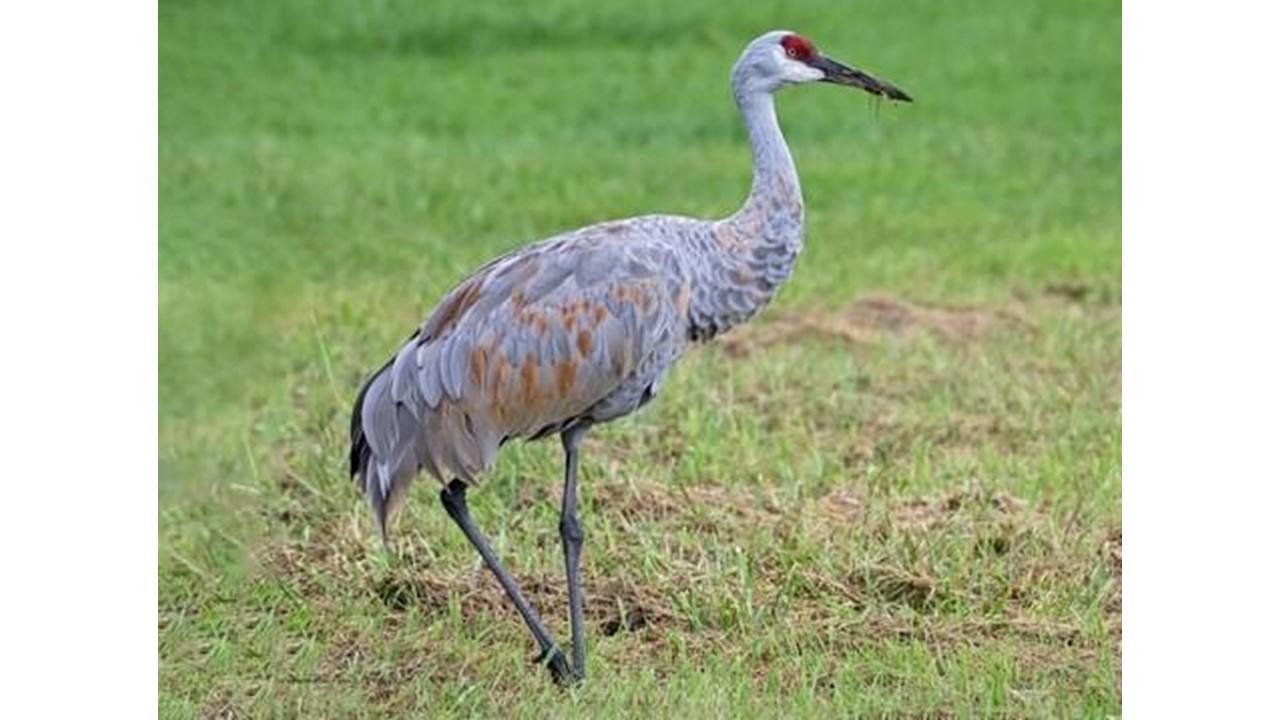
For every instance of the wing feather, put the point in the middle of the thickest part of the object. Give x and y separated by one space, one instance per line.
527 344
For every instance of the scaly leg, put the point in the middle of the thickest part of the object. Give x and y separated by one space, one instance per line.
571 535
454 499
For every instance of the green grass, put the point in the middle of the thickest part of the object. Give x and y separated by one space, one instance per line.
849 507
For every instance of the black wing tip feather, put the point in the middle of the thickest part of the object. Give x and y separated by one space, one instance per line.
359 455
360 450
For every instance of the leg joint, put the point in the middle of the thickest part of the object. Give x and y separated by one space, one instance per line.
571 529
454 498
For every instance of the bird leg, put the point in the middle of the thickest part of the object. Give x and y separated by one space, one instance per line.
571 536
454 499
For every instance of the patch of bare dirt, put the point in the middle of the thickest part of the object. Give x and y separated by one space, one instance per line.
844 504
885 436
878 582
611 606
928 512
696 507
221 706
870 318
1112 553
1071 291
706 508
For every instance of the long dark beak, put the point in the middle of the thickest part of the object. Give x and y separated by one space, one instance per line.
840 74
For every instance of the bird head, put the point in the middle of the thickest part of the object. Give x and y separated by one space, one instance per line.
780 58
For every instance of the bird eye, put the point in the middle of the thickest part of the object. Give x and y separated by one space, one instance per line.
791 52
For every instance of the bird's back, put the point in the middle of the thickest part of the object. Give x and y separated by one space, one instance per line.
579 326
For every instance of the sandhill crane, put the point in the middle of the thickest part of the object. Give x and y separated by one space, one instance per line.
581 329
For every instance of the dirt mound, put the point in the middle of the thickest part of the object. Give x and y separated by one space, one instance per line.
870 318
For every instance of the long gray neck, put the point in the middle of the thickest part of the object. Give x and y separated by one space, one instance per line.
749 254
775 187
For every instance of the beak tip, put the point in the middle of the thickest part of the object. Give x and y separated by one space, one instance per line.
840 74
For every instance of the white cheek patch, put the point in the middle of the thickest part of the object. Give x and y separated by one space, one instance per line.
794 71
797 72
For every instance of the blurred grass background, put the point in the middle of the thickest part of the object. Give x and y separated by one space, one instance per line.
329 169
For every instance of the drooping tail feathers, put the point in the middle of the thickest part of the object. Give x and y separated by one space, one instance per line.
383 456
360 452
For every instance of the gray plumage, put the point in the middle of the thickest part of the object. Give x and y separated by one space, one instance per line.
583 325
582 328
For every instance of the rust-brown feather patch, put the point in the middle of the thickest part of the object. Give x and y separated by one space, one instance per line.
566 373
529 380
479 363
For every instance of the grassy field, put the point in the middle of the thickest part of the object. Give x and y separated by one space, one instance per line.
897 492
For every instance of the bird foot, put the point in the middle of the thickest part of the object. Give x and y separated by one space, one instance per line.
561 672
